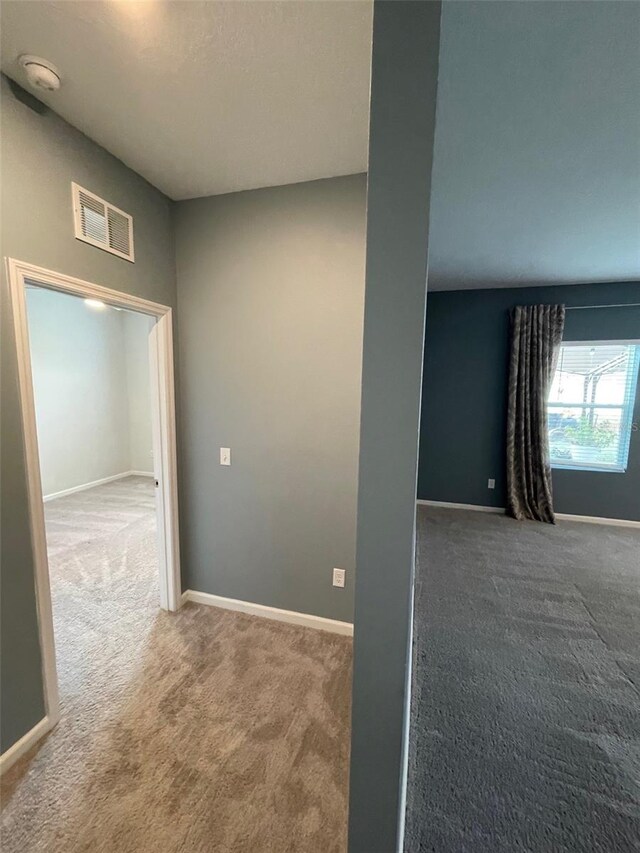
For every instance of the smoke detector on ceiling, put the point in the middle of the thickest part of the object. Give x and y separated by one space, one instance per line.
40 73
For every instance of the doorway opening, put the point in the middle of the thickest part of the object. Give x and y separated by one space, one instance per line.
95 369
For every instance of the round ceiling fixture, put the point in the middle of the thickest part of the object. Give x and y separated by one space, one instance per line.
40 73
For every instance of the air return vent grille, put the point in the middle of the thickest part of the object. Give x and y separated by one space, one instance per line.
101 224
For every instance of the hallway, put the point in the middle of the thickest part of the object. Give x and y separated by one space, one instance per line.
196 731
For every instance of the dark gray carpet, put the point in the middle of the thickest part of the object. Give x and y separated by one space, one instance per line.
526 706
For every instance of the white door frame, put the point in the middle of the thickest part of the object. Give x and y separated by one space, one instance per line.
19 274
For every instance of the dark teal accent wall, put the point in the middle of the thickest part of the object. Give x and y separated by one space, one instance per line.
462 431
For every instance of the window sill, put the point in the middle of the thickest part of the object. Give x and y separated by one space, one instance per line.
592 468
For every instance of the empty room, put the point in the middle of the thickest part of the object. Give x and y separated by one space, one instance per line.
93 404
320 448
525 729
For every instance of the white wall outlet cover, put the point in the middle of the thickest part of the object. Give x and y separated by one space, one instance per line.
225 456
491 483
339 577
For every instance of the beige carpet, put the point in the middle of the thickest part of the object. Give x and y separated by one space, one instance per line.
205 730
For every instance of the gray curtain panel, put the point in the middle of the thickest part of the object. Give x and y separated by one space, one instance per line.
536 334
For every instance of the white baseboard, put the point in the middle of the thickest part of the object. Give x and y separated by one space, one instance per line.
26 742
594 519
560 516
475 507
290 616
95 483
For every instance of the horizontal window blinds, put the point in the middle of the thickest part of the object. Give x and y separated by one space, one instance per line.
590 407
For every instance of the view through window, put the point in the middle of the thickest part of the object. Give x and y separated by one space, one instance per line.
590 408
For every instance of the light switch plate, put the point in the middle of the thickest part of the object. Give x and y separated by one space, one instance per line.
491 483
225 456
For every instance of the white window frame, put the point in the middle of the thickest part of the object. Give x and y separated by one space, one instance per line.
627 408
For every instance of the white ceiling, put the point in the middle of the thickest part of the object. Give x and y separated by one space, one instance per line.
204 98
536 171
536 176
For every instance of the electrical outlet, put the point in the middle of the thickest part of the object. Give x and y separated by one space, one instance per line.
225 456
491 483
338 577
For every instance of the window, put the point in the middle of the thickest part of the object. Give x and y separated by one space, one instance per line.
590 408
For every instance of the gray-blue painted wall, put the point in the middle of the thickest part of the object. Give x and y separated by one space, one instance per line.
464 396
270 314
41 154
404 78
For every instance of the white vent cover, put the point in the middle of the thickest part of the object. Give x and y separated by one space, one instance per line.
101 224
